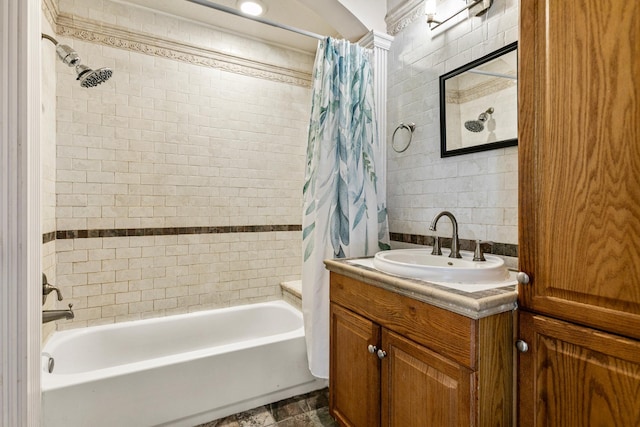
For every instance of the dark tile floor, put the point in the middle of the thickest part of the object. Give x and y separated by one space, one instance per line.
307 410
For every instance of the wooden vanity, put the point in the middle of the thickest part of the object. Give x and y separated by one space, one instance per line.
409 353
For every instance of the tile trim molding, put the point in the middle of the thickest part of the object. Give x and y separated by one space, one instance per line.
50 11
165 231
404 15
491 86
118 37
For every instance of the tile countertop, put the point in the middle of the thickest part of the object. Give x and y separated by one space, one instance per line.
474 305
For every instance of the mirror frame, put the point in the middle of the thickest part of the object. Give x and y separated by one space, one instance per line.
444 152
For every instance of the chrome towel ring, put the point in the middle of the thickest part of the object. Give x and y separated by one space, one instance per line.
404 137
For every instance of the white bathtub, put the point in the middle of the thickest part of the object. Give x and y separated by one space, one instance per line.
176 371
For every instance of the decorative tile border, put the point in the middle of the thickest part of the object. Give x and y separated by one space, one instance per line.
491 86
495 248
165 231
48 237
114 36
404 15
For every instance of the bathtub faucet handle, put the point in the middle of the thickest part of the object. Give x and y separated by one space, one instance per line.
47 288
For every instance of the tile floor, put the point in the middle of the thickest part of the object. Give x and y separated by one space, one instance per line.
308 410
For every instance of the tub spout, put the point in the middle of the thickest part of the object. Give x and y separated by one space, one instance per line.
51 315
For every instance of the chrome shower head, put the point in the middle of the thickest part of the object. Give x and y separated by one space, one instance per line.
478 125
92 78
86 76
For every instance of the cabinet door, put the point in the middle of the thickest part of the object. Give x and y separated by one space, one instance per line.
579 161
421 388
354 377
576 376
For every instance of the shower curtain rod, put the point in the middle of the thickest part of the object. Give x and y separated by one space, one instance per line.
257 19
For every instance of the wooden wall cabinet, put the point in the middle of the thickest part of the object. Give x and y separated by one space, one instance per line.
579 161
579 212
396 361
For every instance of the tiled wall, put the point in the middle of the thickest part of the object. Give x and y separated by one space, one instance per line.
128 278
167 145
480 189
48 166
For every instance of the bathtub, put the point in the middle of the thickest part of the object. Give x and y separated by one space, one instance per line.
176 371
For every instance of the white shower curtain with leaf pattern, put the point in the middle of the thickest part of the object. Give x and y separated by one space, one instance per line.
344 214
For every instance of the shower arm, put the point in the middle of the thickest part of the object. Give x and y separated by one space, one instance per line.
51 39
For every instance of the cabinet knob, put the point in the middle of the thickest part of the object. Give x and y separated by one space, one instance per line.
522 278
372 348
382 354
522 346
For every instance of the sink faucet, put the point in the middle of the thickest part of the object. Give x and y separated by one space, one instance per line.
455 243
50 315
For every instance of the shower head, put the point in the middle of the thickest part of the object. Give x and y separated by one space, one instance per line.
86 76
91 78
478 125
474 125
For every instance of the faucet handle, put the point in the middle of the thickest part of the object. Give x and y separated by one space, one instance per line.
437 247
47 288
478 254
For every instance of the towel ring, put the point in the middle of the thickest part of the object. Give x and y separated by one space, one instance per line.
404 142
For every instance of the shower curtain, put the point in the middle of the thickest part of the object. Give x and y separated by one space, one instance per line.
344 214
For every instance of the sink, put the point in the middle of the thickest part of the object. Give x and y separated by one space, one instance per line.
420 264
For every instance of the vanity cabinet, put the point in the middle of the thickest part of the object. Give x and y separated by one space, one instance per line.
579 212
397 361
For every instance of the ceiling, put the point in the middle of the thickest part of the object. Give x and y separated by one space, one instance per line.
324 17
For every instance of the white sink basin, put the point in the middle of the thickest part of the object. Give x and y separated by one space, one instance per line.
420 264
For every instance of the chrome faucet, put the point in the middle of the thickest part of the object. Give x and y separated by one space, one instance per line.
50 315
455 243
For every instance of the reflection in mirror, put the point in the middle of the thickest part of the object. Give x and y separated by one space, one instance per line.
478 104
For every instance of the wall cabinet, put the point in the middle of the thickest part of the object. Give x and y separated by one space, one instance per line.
396 361
579 161
579 221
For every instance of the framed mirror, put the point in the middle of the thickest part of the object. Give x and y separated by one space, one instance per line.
479 104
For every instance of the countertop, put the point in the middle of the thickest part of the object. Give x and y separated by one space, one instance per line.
474 305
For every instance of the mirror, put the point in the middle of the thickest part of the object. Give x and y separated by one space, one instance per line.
479 104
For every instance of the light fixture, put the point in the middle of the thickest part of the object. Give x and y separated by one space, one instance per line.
252 7
475 8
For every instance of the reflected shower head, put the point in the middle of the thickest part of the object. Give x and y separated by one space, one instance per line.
474 125
86 76
478 125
